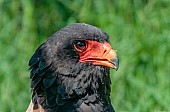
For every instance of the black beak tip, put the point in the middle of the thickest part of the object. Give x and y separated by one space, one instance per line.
115 62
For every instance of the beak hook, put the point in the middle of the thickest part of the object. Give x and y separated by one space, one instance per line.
115 62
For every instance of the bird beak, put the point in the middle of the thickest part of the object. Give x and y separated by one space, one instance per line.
100 54
115 62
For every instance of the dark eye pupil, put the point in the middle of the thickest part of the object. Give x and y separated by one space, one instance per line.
81 44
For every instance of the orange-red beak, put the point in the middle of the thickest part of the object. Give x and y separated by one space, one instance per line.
100 54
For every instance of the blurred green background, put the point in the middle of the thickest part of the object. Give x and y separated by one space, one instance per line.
138 29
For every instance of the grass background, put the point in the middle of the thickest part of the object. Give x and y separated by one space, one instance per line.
138 29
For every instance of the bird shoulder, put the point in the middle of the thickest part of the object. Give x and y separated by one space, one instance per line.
30 108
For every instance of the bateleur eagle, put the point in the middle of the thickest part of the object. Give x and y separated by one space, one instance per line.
70 71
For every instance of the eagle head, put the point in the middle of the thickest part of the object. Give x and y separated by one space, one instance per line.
70 71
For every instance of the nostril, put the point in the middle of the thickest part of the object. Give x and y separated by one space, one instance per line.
104 51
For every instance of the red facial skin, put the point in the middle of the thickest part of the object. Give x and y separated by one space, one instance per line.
98 53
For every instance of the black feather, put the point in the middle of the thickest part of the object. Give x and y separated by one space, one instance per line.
48 82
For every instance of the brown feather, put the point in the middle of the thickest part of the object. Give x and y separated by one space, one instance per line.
30 108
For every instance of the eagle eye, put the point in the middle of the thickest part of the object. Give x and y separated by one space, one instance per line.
80 45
